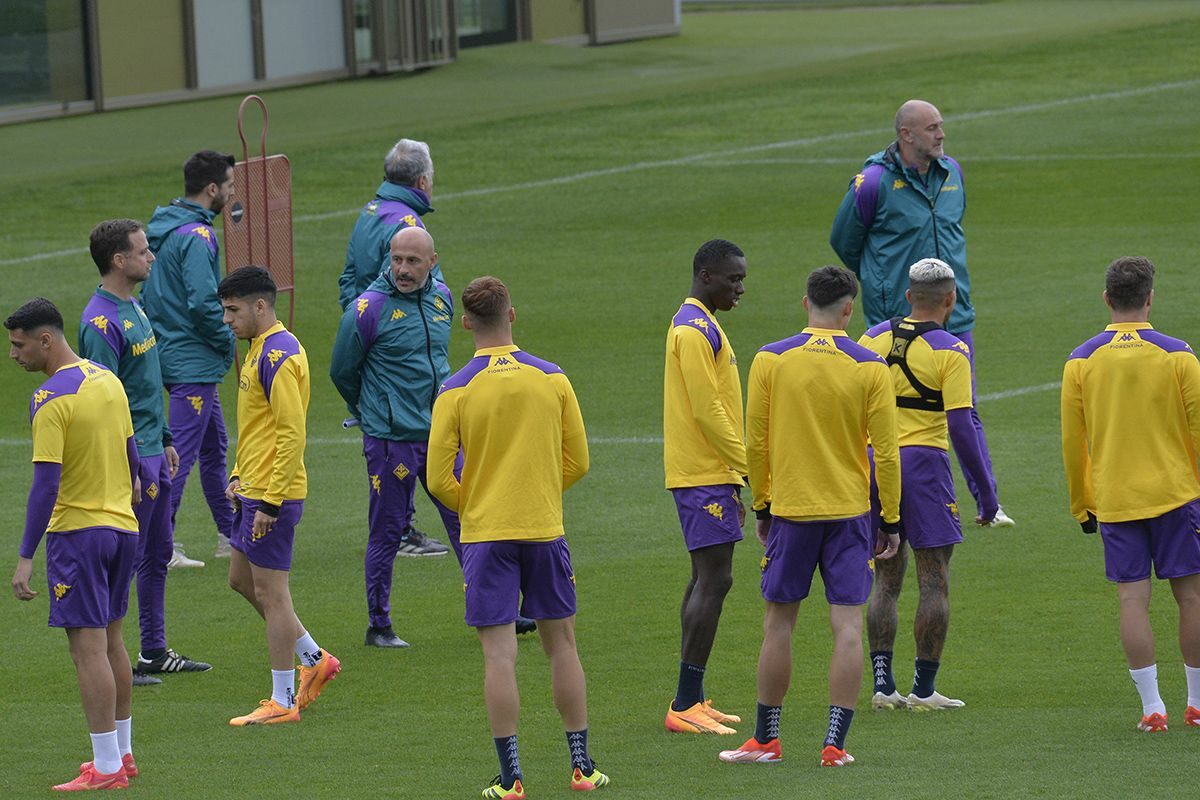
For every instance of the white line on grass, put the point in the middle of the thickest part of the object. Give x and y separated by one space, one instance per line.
606 440
698 157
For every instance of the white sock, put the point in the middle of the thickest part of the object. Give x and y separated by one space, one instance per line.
1193 679
106 753
1146 681
125 735
283 683
307 650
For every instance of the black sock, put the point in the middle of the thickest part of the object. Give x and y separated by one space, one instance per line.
510 764
924 677
881 666
577 743
839 725
150 655
766 727
691 686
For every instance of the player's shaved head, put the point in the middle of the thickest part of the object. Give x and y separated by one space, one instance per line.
486 302
913 113
414 237
1128 282
930 280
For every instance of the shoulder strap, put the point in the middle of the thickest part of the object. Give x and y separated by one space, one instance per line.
903 334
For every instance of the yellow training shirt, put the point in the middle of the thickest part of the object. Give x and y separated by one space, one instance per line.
272 409
81 420
703 443
1131 424
813 400
521 432
941 361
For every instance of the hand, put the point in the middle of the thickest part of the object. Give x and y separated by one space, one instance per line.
262 524
20 580
741 513
1089 525
762 528
172 460
231 493
886 545
986 516
137 491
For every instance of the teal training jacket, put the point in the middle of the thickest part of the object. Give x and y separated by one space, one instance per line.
391 355
180 296
892 217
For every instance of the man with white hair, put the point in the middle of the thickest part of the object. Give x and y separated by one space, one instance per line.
399 202
906 204
931 375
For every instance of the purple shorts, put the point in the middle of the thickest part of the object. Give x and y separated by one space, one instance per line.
708 515
274 550
1171 541
88 573
497 574
928 509
842 548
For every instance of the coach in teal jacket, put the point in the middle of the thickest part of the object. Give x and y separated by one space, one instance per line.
390 357
907 204
195 345
399 202
892 216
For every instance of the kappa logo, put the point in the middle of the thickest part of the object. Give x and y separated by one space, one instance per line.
101 323
127 323
953 506
361 305
398 314
409 220
401 471
1125 337
898 184
274 356
372 206
858 181
962 346
91 369
40 396
700 322
375 484
60 589
197 403
715 510
152 491
762 565
572 579
203 233
255 535
503 362
871 565
438 304
821 343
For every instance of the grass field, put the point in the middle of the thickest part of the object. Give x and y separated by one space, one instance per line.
586 178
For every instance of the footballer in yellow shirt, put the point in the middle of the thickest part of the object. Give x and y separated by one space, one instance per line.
704 457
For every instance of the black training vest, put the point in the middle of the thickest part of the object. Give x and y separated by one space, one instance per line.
903 334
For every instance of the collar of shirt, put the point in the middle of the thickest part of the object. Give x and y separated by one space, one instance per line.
691 301
276 328
1130 326
497 351
823 332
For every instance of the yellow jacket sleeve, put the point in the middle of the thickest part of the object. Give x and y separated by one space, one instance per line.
444 443
758 411
287 409
575 458
1077 460
700 381
881 425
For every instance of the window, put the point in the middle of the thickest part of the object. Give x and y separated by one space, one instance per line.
43 53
